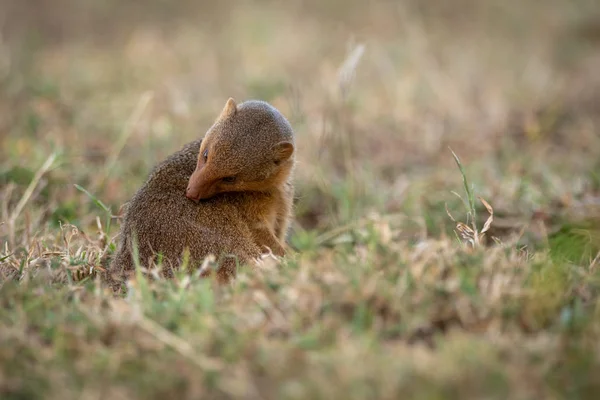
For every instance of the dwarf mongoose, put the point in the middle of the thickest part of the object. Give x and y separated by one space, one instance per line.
228 194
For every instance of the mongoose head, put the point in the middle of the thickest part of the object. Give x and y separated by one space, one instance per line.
250 148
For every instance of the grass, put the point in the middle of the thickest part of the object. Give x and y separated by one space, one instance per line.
418 271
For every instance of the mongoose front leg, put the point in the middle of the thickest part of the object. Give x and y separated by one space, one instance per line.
265 238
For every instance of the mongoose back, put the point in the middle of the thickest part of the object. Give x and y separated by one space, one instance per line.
228 194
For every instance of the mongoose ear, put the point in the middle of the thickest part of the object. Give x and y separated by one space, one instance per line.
282 151
229 110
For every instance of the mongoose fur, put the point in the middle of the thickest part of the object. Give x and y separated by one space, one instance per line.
227 194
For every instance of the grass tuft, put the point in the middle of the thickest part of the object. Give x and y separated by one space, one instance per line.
470 234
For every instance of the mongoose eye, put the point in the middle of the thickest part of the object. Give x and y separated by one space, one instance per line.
228 179
205 155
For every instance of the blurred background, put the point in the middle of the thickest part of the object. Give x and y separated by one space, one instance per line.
377 93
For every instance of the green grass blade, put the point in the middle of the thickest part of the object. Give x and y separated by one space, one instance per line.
96 200
468 190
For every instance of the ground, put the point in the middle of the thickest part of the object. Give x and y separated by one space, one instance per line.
414 122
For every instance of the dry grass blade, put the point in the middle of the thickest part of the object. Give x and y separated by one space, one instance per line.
448 212
141 106
32 185
490 219
465 203
594 262
348 68
326 237
466 232
179 345
28 192
207 263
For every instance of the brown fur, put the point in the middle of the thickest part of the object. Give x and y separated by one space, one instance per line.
186 205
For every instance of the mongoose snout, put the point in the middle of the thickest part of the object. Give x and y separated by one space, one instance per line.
191 196
196 189
202 185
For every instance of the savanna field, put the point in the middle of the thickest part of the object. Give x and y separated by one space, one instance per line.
446 240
